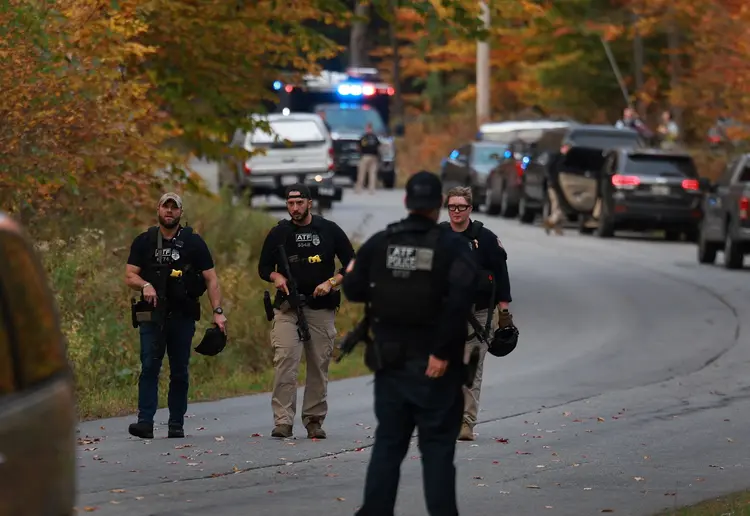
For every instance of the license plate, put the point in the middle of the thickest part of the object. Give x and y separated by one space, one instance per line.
660 190
328 192
288 180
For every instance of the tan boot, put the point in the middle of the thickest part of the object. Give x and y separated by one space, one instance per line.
547 225
467 433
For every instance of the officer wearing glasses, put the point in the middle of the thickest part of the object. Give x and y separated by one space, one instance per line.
493 290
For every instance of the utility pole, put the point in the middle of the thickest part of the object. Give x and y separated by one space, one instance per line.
638 61
399 103
483 69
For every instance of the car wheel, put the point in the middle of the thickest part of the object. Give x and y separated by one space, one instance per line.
525 215
507 211
706 250
733 256
606 227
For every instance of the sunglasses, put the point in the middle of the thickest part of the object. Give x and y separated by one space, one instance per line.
458 207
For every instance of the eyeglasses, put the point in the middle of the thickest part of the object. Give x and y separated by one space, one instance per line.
458 207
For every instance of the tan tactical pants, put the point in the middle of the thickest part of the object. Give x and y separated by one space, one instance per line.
287 353
367 167
556 214
471 396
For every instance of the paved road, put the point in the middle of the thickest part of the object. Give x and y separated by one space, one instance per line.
629 392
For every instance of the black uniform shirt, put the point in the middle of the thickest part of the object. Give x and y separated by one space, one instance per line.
141 251
456 269
311 251
490 254
369 144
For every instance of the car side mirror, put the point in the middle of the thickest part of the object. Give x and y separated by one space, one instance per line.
705 184
399 129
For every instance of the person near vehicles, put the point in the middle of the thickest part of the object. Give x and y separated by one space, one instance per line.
668 131
493 289
172 267
369 160
311 243
418 281
556 216
630 119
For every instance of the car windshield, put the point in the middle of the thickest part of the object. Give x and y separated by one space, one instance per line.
664 166
296 131
353 118
483 155
606 139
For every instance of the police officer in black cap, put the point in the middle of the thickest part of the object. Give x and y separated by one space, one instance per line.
419 281
172 267
311 245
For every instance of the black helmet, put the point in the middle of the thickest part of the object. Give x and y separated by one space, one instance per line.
214 341
504 341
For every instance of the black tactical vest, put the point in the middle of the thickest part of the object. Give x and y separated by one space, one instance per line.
404 285
171 271
486 277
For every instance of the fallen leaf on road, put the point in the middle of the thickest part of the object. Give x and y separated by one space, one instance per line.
496 462
547 506
115 502
730 440
117 491
540 465
340 499
587 489
139 498
200 428
481 485
256 434
670 494
566 413
502 440
90 509
523 453
219 439
608 510
532 487
638 479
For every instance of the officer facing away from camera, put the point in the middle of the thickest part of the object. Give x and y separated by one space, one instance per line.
419 281
311 244
172 267
493 288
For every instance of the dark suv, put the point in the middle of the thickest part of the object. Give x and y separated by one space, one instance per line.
569 161
648 189
37 409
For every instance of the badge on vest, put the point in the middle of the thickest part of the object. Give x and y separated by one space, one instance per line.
407 258
175 254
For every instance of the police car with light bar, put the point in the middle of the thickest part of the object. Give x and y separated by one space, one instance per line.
347 102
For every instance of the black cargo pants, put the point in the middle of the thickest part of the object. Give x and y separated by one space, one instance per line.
405 398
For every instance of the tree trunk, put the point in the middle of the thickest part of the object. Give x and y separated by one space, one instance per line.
393 30
358 55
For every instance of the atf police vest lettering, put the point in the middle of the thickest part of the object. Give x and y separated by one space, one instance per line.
404 285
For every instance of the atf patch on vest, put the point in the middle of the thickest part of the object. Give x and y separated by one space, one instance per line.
408 258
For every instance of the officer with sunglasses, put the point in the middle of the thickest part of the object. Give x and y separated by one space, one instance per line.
493 289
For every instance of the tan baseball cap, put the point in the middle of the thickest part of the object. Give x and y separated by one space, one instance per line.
170 196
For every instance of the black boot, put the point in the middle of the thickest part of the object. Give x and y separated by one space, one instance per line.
176 432
142 429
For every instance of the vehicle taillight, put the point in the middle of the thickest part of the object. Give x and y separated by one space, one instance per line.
690 184
330 158
246 169
744 208
619 180
564 149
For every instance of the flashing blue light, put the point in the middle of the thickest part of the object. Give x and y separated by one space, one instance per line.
508 154
524 165
454 154
276 85
525 160
350 89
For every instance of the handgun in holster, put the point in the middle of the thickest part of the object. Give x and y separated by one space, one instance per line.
141 311
268 305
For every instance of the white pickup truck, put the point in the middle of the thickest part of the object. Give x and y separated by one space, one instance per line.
300 150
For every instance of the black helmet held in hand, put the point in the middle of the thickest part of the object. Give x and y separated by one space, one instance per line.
504 341
214 341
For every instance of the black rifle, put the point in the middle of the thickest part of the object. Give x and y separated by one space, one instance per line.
483 334
296 300
360 333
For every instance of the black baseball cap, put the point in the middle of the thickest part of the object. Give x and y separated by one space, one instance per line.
424 191
298 191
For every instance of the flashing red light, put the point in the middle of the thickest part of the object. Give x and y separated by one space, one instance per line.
247 170
368 90
288 88
690 184
620 180
390 90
